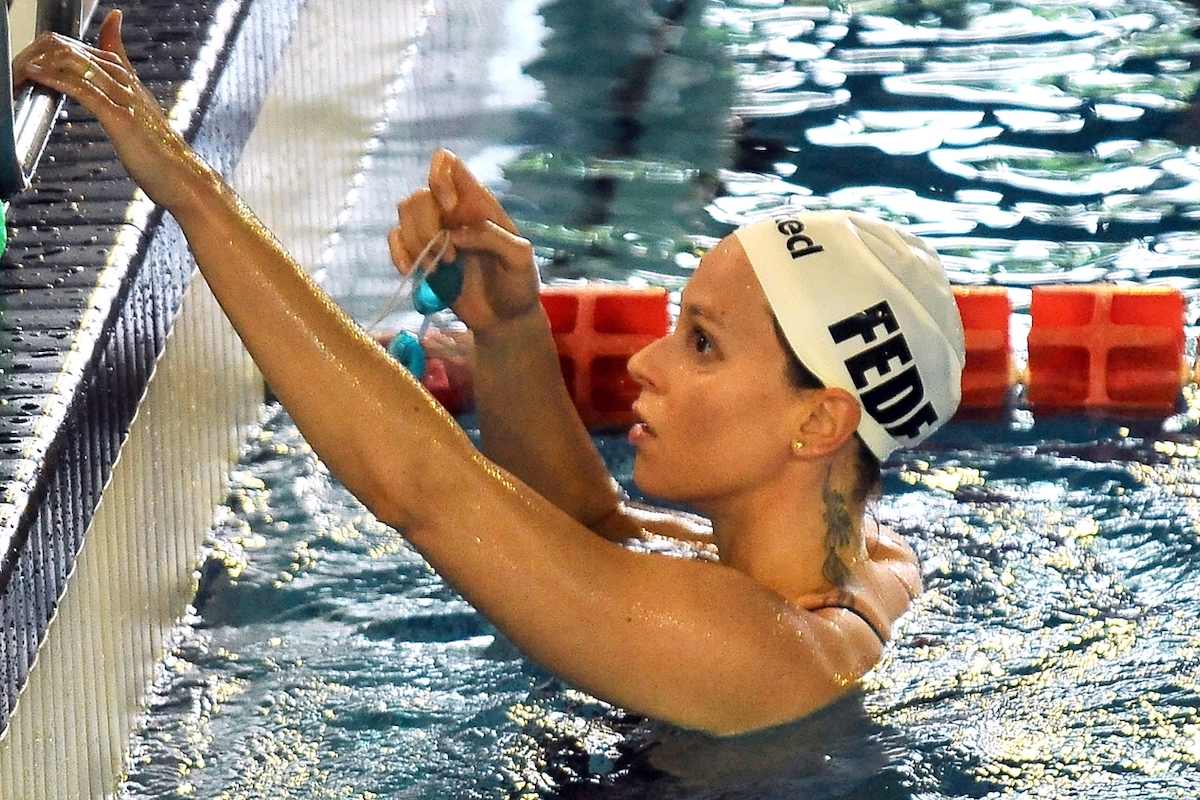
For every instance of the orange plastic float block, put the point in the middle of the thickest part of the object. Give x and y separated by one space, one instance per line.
1106 346
449 386
449 374
596 328
988 375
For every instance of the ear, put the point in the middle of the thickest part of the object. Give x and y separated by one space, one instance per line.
827 421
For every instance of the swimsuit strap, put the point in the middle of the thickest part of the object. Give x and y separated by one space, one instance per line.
882 639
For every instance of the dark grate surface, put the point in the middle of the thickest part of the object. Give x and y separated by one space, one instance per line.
89 287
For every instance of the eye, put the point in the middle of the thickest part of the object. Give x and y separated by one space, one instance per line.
700 341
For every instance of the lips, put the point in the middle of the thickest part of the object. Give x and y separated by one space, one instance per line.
641 431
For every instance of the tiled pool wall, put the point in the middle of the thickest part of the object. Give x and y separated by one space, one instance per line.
114 446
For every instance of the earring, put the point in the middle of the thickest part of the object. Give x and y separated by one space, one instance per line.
797 446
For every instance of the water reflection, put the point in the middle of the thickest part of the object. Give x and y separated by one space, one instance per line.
655 127
1055 652
624 155
1065 124
839 752
1065 120
1053 642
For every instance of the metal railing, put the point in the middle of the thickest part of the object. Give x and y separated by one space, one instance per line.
24 132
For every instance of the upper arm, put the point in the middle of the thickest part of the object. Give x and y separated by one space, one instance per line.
708 647
690 642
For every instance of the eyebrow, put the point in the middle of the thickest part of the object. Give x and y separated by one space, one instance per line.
697 310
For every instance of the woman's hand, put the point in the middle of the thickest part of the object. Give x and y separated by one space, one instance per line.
105 83
500 280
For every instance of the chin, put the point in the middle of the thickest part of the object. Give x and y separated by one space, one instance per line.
664 489
647 482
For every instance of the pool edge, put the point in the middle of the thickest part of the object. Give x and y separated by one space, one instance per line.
131 448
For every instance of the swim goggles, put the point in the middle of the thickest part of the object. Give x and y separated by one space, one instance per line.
431 291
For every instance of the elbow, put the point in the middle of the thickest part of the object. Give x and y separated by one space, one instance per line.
395 494
389 495
388 506
411 496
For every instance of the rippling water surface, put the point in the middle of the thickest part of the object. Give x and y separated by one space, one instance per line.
1056 653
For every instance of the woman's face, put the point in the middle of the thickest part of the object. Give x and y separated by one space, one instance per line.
716 407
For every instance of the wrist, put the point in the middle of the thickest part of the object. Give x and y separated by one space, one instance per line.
513 334
197 188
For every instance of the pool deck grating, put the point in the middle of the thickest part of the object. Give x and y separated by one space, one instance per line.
89 288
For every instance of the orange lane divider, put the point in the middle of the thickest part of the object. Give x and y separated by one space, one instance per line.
596 328
1102 346
989 374
1090 347
449 370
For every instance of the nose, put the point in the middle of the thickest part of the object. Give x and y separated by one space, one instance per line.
642 365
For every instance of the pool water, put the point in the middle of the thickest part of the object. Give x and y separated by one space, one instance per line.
1056 651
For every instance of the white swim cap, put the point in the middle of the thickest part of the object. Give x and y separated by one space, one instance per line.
867 308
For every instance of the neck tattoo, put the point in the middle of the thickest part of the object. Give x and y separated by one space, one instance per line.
839 533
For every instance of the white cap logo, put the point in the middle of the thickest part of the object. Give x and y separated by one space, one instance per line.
867 308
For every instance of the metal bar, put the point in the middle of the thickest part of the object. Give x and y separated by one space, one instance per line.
60 16
33 118
35 108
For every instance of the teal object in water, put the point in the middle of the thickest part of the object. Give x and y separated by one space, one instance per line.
406 348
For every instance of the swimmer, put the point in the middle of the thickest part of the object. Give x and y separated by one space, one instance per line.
807 348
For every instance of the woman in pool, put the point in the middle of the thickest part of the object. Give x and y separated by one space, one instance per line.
806 350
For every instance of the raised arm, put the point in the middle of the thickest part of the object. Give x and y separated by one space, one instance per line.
699 644
527 421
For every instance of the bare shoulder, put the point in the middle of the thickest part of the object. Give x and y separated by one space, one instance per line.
887 582
881 589
886 549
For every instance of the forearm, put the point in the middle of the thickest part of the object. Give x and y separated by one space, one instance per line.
344 393
529 425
